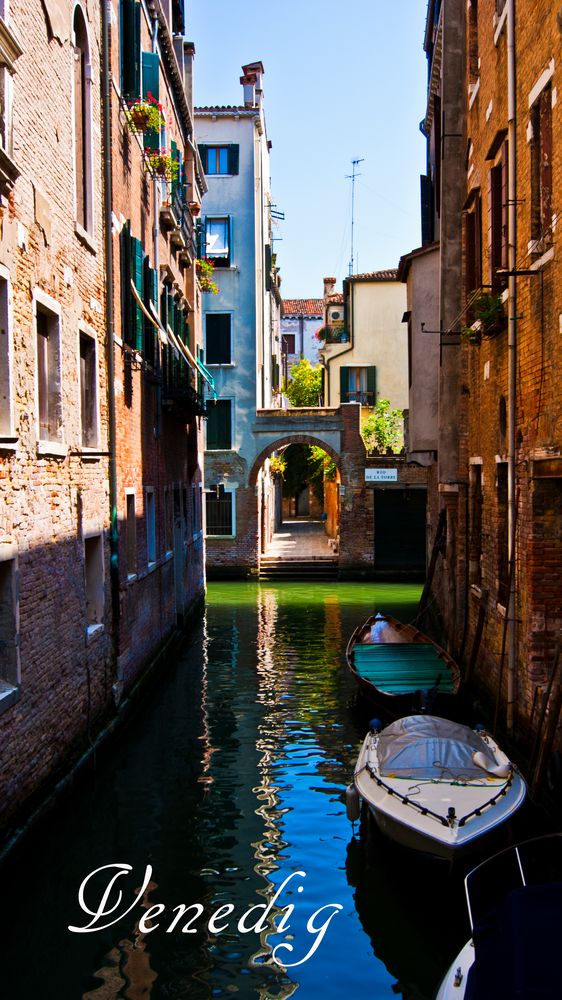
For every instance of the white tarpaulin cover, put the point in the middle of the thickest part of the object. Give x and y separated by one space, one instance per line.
424 746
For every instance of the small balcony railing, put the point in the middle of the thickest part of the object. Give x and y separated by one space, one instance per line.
357 396
337 335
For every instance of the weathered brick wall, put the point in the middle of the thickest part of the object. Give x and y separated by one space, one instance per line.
48 501
538 413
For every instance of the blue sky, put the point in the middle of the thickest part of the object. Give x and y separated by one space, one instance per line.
342 81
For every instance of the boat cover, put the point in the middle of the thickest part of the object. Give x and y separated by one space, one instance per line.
424 746
517 947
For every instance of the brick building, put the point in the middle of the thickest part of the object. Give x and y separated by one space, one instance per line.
55 646
490 204
101 545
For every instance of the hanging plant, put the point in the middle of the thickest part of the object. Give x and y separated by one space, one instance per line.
145 115
205 270
162 164
489 318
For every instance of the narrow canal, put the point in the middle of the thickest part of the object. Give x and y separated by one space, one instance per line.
228 782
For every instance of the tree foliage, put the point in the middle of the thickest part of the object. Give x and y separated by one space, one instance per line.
383 429
307 464
305 385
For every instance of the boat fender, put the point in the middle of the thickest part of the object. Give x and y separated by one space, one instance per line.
502 770
352 803
375 725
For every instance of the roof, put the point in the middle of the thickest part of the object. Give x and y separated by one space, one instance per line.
303 307
336 298
226 109
390 274
407 258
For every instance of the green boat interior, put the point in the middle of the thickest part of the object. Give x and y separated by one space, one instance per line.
402 667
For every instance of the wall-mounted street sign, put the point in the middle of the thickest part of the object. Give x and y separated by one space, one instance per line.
381 475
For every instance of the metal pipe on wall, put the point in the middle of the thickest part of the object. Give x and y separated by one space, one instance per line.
512 358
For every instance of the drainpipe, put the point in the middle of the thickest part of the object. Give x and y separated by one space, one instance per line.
155 234
110 338
512 358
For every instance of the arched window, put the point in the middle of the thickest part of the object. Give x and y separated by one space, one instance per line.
82 123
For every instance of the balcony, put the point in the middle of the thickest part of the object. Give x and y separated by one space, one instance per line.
178 394
357 396
335 333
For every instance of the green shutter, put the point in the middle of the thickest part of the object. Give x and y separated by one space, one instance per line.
130 34
126 295
233 158
371 385
151 85
267 267
176 157
344 384
137 267
203 154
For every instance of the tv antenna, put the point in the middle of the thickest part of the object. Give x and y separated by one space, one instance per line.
351 177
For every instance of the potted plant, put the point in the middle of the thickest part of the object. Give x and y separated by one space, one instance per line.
489 318
162 164
194 208
144 115
205 269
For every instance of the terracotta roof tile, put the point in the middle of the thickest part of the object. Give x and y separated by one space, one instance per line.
303 307
390 274
336 298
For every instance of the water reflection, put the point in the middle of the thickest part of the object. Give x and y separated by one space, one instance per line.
229 781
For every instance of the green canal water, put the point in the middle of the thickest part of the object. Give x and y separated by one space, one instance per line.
229 782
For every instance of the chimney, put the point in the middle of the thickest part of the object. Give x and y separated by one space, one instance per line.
188 57
329 285
248 82
256 71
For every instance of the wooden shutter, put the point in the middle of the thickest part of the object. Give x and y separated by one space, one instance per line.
344 384
176 182
130 35
478 242
126 294
470 241
504 206
217 339
371 385
426 193
137 268
151 85
233 158
203 151
546 160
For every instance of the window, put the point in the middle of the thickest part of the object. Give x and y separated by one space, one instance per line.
131 535
132 262
196 511
9 631
503 535
217 241
219 504
88 392
217 339
219 425
150 527
6 409
130 50
475 551
82 123
473 242
49 394
541 165
497 218
288 343
358 385
93 572
220 159
167 520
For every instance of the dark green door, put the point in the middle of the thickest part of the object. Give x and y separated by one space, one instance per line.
400 530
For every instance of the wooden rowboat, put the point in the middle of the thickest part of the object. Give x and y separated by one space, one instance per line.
400 669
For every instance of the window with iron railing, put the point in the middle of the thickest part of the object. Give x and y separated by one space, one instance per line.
219 509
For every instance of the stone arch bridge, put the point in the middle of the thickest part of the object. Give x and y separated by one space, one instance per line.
337 432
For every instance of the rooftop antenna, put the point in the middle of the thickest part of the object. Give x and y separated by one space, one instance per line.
352 177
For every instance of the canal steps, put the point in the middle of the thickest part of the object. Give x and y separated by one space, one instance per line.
319 568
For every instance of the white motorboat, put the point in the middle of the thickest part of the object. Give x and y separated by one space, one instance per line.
436 786
515 910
